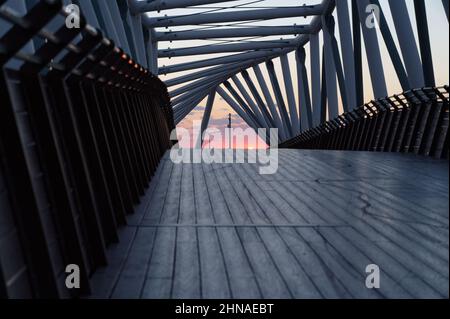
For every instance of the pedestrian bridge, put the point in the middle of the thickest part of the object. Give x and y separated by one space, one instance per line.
88 189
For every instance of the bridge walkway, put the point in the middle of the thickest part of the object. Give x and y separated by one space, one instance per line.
308 231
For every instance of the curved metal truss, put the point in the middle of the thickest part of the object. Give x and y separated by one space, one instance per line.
328 51
335 29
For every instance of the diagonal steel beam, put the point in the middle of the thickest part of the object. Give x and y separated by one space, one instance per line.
373 52
198 84
221 60
233 33
246 15
235 106
289 89
250 102
188 108
279 97
392 49
407 43
269 101
424 41
159 5
207 72
258 99
243 105
206 116
235 47
445 3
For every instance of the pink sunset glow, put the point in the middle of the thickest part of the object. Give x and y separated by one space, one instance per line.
219 121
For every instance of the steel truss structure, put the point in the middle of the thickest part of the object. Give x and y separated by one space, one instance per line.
85 120
332 86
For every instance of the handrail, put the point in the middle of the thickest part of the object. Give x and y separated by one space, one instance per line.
414 121
83 128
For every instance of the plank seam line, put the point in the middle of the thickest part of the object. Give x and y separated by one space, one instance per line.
243 225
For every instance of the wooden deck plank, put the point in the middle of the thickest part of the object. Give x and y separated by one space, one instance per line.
214 275
158 282
104 280
157 205
326 287
241 277
171 209
268 278
156 187
132 276
186 281
308 231
271 281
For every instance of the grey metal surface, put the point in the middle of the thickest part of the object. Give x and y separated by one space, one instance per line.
224 231
311 10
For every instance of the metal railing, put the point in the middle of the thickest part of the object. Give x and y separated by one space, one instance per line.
412 122
82 130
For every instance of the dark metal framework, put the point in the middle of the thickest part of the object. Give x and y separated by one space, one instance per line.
413 122
82 130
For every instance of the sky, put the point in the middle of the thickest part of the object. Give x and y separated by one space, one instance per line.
439 36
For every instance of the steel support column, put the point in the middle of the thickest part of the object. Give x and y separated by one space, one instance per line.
293 113
424 42
88 11
114 23
392 49
206 117
134 24
345 34
357 47
330 73
303 91
373 52
407 42
279 98
337 63
314 49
